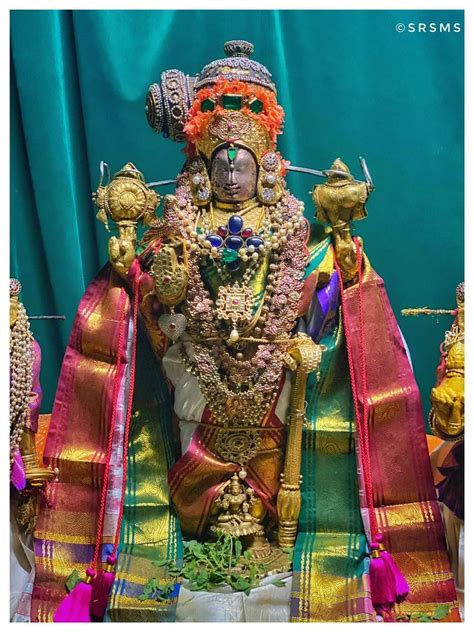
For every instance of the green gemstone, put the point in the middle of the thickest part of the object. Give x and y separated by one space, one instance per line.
208 105
229 255
232 153
256 106
232 101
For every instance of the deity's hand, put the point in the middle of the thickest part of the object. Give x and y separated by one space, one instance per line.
122 250
448 405
170 276
346 253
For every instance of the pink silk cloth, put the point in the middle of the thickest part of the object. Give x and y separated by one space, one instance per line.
66 528
407 511
197 478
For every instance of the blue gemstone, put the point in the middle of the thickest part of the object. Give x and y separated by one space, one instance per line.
254 241
235 224
234 242
215 240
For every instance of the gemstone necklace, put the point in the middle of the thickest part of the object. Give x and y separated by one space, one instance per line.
262 371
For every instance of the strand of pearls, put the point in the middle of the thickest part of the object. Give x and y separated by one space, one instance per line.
21 378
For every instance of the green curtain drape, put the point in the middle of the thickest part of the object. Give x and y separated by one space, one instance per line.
351 85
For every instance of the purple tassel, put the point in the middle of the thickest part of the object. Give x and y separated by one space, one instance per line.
401 585
17 475
75 607
382 582
101 587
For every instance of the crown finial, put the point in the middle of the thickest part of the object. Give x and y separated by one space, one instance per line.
238 48
15 287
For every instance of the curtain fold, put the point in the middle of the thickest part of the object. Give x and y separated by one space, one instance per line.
350 84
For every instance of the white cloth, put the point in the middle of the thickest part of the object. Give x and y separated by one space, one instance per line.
267 603
454 529
21 560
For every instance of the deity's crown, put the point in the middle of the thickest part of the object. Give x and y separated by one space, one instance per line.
455 357
232 100
238 66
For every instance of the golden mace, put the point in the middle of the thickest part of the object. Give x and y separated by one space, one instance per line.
304 358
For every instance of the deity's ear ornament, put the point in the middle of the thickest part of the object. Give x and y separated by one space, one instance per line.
270 183
200 182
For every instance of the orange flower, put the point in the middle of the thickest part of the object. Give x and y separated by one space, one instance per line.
272 114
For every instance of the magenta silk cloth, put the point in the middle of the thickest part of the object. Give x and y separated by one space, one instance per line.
404 493
36 391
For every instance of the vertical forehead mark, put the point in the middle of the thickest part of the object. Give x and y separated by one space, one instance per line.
231 153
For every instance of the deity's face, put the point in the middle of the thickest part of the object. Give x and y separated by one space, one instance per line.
233 175
234 488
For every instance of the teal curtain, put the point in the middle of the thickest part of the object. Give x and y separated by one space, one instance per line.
351 84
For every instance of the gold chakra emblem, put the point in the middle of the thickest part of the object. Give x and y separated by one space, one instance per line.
234 304
126 198
238 446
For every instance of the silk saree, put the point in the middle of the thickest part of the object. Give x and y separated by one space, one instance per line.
331 559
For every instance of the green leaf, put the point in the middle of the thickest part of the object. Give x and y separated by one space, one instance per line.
279 582
290 552
161 563
441 612
143 597
417 615
72 581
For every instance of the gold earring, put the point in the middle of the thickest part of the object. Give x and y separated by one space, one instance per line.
200 183
270 183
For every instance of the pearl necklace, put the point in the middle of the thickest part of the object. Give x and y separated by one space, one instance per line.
257 377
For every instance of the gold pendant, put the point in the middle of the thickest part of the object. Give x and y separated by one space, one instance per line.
170 276
238 446
234 303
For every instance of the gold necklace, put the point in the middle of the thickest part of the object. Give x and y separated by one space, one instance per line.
237 207
254 216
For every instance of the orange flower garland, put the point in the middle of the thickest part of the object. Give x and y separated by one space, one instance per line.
272 115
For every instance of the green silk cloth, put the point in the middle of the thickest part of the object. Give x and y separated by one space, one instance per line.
330 560
150 530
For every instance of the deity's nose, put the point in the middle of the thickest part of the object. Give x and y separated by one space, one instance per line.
231 175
